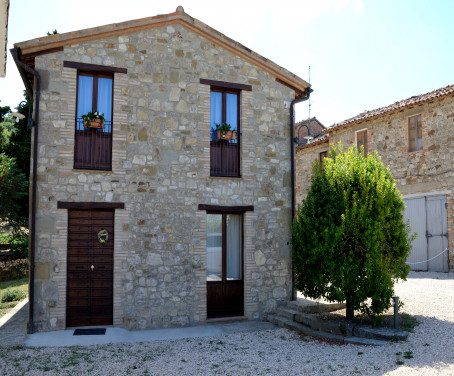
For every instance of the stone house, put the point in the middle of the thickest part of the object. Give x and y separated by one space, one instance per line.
414 137
155 219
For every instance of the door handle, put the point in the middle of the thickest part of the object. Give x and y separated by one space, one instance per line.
92 267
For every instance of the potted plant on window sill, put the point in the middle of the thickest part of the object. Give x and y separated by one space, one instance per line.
224 132
93 119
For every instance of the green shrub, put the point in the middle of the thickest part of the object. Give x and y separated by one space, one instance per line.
19 245
14 269
13 295
350 242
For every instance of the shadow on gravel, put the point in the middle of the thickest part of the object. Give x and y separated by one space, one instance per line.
414 274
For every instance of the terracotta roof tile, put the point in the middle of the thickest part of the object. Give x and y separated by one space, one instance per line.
401 105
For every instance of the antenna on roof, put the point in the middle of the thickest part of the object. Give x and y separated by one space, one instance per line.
309 101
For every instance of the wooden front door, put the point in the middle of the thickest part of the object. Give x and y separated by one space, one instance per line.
225 287
90 268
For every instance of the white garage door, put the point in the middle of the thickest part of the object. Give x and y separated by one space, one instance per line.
428 217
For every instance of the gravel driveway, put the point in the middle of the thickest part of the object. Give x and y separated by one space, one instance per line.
428 351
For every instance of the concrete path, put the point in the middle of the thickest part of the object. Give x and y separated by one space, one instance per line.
13 326
13 332
118 335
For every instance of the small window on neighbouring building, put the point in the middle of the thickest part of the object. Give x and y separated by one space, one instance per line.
414 133
322 156
361 140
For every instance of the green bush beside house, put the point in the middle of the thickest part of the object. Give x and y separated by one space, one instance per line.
350 242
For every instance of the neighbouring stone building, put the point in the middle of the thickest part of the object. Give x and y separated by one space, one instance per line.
414 137
311 128
155 219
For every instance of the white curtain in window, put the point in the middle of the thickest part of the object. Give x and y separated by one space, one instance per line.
233 246
84 97
232 110
105 100
215 109
214 247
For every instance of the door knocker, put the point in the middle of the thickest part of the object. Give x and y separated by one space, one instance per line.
103 236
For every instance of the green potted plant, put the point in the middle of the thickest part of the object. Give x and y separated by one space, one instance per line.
93 119
224 132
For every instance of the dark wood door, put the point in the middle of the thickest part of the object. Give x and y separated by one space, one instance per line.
90 268
225 287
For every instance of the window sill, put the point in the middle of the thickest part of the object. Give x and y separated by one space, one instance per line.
226 177
91 170
226 319
416 151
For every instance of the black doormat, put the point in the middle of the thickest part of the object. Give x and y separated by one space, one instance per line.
90 332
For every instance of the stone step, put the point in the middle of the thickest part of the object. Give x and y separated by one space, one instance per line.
286 312
386 334
335 327
316 307
303 329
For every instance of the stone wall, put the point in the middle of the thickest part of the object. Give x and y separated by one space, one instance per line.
160 170
425 171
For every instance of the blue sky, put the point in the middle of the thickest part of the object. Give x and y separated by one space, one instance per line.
363 54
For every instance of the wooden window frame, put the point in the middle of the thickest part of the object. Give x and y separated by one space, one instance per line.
416 138
95 76
225 91
322 155
364 144
96 73
224 241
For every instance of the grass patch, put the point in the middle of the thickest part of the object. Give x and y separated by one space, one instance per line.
408 322
17 284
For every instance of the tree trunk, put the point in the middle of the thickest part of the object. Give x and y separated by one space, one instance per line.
350 315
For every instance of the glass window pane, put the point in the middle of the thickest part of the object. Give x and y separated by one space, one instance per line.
233 247
84 97
419 133
214 247
232 110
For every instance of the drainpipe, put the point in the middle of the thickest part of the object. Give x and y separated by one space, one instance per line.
22 69
303 98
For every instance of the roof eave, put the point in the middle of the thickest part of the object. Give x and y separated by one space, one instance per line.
34 47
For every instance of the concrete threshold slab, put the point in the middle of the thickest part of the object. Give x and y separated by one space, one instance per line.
118 335
12 312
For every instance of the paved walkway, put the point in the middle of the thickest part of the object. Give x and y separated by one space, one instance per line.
13 332
62 338
13 326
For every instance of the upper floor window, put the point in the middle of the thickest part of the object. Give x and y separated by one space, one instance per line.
93 146
361 140
414 133
225 146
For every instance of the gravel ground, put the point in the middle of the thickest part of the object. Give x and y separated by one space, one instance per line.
428 351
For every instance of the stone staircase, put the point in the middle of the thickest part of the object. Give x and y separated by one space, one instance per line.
302 319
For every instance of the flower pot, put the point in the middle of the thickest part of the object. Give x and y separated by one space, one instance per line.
94 123
229 135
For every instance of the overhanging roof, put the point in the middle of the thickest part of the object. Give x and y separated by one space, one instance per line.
397 106
48 44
